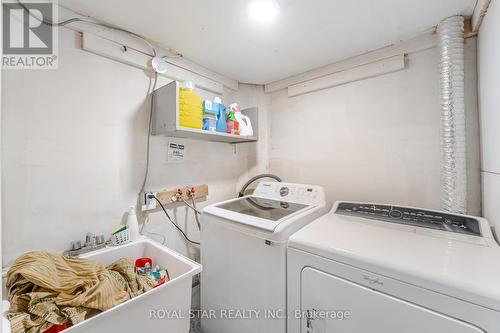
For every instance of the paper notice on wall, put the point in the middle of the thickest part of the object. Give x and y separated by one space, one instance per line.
175 153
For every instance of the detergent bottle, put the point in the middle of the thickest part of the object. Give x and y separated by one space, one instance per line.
232 123
133 224
244 123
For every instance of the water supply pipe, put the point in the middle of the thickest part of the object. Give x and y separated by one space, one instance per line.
452 91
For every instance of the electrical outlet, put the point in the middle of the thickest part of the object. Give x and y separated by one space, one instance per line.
148 203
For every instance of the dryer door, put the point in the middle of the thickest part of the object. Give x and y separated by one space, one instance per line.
335 305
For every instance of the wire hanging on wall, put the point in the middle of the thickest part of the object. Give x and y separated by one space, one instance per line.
77 19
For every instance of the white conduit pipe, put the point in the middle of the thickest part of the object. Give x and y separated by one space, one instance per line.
453 146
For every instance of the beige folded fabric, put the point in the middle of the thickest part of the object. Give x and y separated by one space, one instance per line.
47 289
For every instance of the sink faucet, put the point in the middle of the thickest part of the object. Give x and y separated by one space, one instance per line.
92 243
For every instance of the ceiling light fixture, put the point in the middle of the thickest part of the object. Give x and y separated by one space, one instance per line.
263 10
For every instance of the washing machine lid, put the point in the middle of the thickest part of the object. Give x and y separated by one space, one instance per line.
460 265
272 210
257 212
273 204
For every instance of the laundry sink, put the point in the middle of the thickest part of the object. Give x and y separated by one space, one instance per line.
165 308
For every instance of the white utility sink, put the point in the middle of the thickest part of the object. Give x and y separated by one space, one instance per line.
162 309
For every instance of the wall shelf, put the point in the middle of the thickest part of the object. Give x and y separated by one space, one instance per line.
166 119
192 133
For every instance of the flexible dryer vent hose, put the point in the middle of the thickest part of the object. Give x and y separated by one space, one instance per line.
453 144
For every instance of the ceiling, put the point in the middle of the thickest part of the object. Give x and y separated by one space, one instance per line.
307 34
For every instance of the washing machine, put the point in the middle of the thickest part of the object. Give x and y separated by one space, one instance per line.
243 253
374 268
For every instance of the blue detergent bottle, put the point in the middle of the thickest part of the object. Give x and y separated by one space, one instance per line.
221 125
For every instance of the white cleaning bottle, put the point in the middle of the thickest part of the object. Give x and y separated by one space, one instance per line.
245 125
133 224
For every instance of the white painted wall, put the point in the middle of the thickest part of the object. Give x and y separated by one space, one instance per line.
489 83
73 152
375 140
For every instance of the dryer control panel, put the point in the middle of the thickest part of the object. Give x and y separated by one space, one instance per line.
412 216
290 192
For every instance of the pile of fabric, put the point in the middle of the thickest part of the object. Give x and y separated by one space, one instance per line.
47 290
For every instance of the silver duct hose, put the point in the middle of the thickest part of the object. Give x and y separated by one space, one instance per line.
453 147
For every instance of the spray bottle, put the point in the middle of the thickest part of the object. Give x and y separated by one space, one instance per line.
232 123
